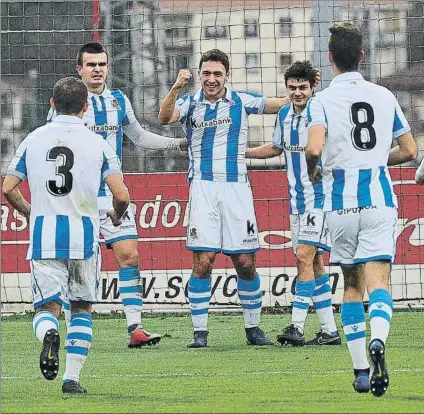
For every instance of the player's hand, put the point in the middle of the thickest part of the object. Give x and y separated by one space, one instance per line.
184 75
184 145
317 77
115 220
316 176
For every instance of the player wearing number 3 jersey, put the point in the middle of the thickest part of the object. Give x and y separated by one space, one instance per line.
64 163
352 124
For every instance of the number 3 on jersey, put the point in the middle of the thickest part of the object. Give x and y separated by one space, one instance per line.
363 128
63 170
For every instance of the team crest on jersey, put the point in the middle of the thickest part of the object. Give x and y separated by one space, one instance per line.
115 104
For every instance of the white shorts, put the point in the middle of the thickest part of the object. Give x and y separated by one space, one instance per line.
54 279
360 235
222 218
111 234
310 228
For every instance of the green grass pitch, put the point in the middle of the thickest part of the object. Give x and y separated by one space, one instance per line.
229 376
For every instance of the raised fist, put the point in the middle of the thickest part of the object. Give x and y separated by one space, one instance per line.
184 75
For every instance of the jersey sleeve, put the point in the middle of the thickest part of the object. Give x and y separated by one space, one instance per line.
183 105
17 166
254 103
400 124
129 117
315 113
111 164
51 115
277 136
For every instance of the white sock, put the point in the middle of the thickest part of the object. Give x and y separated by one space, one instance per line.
323 305
42 322
78 342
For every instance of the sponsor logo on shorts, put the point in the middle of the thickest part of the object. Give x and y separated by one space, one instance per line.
310 220
250 227
354 210
193 232
250 241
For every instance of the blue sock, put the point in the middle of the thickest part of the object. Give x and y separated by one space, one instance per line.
42 322
380 311
323 305
78 342
199 296
131 292
354 327
250 295
304 292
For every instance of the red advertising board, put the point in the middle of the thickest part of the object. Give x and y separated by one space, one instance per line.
160 202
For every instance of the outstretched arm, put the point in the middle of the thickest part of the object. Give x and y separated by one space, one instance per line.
263 151
149 140
168 113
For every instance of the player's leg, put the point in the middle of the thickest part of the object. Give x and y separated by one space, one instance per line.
131 292
250 295
304 290
204 240
328 335
240 241
123 241
199 296
377 244
344 230
48 278
82 292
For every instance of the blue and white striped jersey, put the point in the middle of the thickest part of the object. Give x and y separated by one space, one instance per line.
64 163
109 115
361 120
217 133
291 135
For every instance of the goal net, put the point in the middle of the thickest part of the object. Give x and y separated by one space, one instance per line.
148 42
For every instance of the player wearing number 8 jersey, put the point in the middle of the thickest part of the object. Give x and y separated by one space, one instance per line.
64 163
352 124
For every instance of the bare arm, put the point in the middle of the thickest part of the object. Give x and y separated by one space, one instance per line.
264 151
14 196
168 113
121 197
316 139
406 150
273 105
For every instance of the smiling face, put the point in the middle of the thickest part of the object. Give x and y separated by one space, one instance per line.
94 71
300 92
213 77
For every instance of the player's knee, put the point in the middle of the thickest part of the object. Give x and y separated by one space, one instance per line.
80 307
203 267
52 306
128 258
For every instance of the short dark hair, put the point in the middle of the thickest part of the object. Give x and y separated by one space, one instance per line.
69 96
215 55
345 45
301 70
90 48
